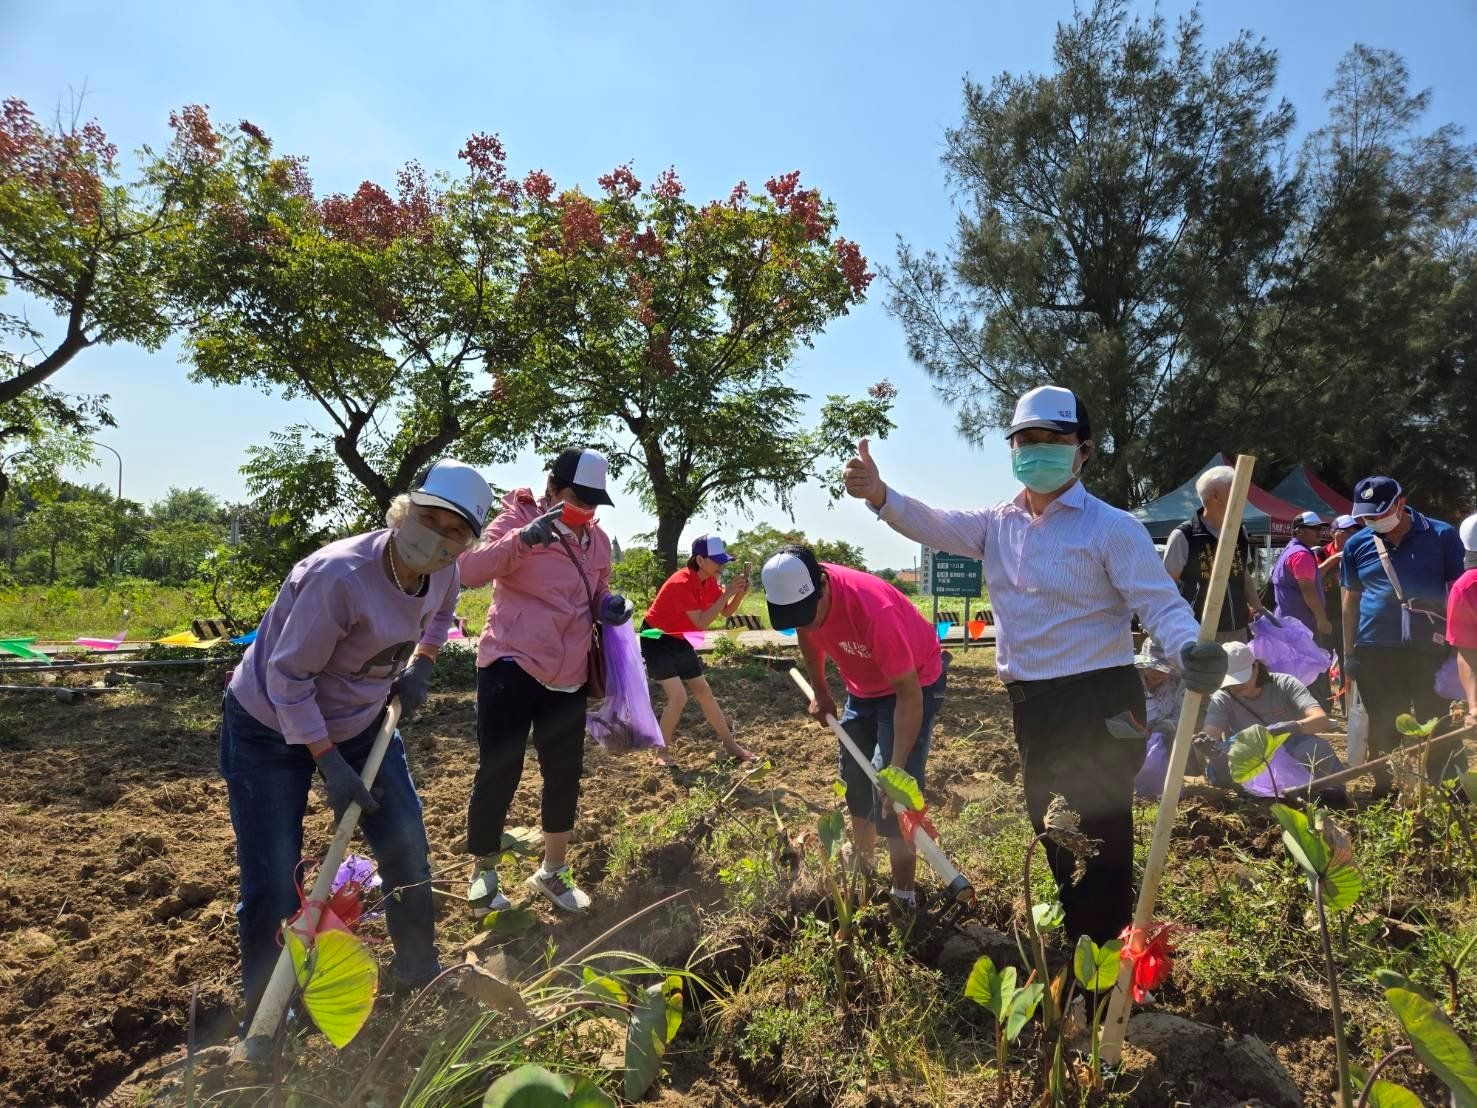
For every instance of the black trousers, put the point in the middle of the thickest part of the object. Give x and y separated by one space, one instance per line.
1396 679
509 703
1066 750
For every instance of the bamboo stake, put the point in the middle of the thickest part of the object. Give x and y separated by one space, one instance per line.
1225 554
280 988
1354 772
957 884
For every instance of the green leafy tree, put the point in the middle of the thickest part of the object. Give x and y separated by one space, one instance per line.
662 331
377 307
1124 216
83 242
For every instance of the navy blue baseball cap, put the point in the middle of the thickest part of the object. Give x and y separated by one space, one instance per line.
711 546
1373 496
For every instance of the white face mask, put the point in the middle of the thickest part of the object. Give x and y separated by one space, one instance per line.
1385 524
424 550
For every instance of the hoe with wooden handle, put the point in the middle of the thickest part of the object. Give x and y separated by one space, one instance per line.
257 1045
956 884
1225 554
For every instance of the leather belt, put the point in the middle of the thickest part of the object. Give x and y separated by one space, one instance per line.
1022 691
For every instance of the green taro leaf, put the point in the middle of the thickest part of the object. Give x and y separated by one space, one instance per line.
1435 1041
832 831
1407 724
1251 752
1385 1094
1096 966
1341 888
508 921
1021 1008
338 979
605 986
990 988
1048 917
1305 845
900 788
1469 786
535 1087
654 1022
521 841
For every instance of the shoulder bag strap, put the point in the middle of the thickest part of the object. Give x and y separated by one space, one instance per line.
589 592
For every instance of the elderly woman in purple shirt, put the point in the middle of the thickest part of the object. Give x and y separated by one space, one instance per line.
355 623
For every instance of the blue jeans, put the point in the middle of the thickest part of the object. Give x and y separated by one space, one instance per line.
268 780
868 720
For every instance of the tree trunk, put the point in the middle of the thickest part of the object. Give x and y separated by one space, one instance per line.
668 530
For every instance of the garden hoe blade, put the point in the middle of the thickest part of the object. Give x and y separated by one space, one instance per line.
956 885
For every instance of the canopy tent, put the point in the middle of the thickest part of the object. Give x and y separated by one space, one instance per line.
1303 488
1266 515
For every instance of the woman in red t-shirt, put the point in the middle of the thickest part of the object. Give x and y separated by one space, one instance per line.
688 601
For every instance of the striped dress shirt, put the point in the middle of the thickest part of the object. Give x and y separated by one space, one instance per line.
1064 586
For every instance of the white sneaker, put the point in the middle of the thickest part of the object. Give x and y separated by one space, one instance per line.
560 888
484 893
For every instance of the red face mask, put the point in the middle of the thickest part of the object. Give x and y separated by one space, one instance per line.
576 517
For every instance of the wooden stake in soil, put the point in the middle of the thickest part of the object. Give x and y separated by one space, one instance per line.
956 883
1143 916
257 1044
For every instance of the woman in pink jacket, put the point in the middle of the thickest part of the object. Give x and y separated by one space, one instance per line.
549 562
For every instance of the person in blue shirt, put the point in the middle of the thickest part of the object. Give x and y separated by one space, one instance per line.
1395 575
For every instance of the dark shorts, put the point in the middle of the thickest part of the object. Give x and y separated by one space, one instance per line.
670 656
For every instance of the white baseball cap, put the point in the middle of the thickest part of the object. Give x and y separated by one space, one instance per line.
458 488
1468 532
1053 408
1240 664
585 471
711 546
792 589
1307 519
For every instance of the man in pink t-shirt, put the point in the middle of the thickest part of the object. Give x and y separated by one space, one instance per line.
1461 616
890 662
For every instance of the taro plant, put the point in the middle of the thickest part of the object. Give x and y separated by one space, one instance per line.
996 991
1251 754
1322 851
531 1086
1432 1039
1095 969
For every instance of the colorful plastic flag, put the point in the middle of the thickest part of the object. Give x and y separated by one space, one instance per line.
21 648
944 628
102 644
787 631
186 638
976 628
246 639
696 638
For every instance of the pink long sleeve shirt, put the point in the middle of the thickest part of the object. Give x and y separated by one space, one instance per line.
337 635
540 615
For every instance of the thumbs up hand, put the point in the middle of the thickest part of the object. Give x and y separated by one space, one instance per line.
862 479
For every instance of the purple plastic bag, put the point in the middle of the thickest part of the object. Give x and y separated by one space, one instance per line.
1288 649
1150 779
1449 681
624 719
1297 763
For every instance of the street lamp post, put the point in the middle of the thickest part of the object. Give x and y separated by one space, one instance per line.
118 553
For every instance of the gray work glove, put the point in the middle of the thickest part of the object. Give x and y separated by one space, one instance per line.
1203 665
541 531
343 784
1352 667
413 684
615 609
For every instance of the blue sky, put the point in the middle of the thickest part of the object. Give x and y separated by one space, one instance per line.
855 95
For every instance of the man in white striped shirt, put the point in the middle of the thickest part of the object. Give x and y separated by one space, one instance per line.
1066 573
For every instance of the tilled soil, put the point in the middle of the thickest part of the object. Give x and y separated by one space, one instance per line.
118 856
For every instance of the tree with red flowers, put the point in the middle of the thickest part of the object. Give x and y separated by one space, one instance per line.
375 306
83 243
663 331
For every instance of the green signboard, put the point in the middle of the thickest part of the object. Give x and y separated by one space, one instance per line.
953 575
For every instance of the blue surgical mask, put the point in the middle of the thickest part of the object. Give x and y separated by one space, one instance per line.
1044 466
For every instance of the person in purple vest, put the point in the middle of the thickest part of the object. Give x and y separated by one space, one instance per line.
1297 589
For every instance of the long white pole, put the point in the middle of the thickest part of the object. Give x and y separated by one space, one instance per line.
957 884
1225 554
280 988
